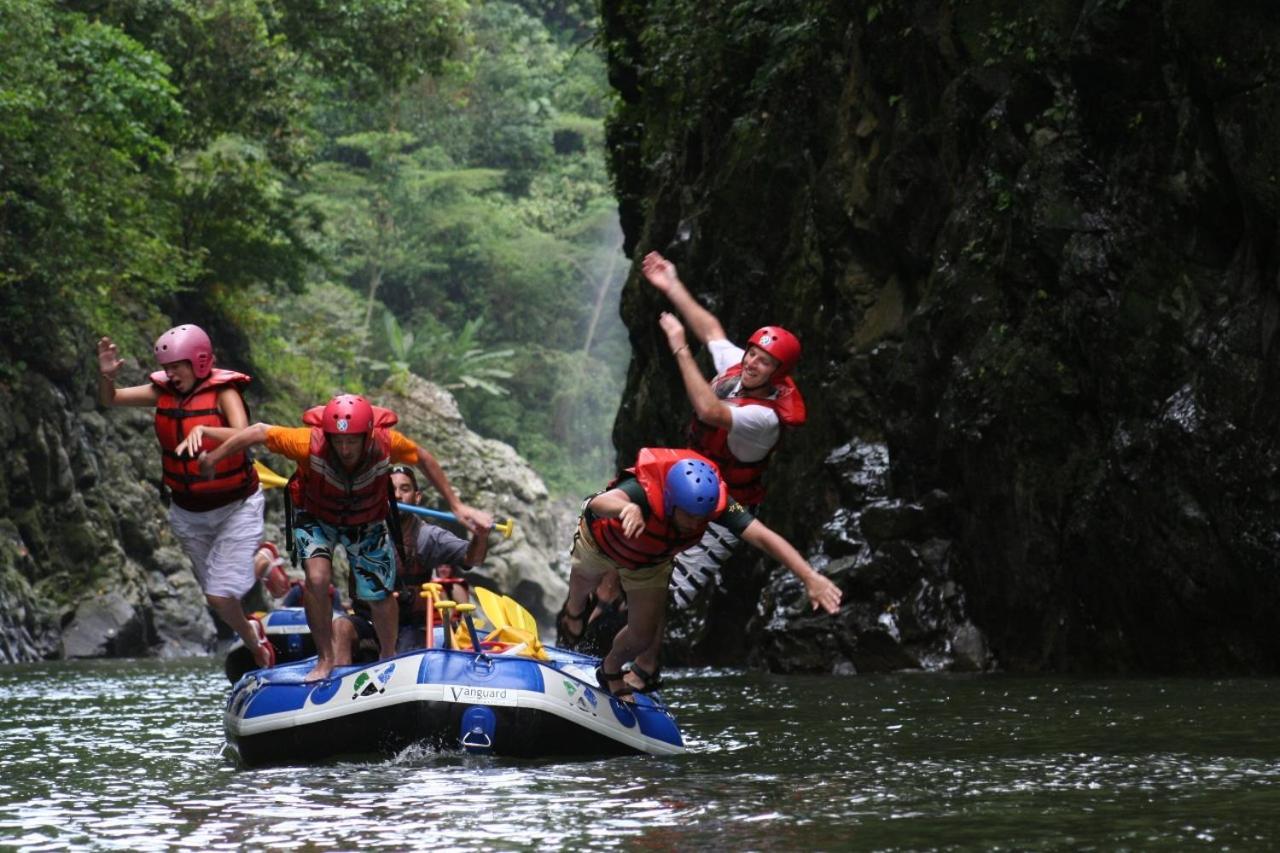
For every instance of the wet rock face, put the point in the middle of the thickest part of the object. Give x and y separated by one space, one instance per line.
903 606
1031 257
85 535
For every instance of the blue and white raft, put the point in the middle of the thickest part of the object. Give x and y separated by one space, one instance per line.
513 697
506 705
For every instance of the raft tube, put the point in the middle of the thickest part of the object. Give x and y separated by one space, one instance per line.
507 705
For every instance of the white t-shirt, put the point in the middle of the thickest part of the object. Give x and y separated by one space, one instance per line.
755 429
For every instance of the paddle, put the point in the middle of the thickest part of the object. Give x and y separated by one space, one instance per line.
491 603
271 480
431 592
466 610
504 528
513 625
444 607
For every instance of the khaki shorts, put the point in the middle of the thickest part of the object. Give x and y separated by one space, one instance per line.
221 543
587 560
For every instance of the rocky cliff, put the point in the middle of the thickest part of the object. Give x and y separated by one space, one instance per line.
88 566
1032 255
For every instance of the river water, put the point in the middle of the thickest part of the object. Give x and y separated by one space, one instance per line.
128 755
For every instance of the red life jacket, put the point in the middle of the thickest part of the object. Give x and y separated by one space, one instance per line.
234 477
745 479
659 540
324 488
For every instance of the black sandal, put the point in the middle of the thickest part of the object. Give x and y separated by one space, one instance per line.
603 678
652 680
564 637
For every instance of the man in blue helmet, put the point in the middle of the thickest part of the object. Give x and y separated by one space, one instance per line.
635 527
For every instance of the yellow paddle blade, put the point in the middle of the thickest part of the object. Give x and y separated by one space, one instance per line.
492 604
518 642
517 616
268 478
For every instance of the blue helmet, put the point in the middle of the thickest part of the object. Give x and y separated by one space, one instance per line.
693 486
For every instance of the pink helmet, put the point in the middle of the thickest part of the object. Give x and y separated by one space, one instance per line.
780 344
186 343
347 414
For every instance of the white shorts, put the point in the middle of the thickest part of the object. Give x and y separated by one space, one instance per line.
221 544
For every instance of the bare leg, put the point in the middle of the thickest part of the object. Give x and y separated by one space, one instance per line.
696 571
580 588
645 611
385 614
609 588
320 615
344 641
228 610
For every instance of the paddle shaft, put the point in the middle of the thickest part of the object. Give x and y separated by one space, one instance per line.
504 527
427 511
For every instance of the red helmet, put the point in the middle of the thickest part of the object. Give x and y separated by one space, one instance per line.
780 344
347 414
186 343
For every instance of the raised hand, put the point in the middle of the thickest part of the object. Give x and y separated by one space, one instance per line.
109 361
673 329
660 272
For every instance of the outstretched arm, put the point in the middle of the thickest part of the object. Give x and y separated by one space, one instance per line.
109 364
661 273
707 407
232 406
473 519
822 592
242 440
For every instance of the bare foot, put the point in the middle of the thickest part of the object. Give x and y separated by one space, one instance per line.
320 672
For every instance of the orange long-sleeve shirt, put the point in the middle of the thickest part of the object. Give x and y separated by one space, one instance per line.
295 443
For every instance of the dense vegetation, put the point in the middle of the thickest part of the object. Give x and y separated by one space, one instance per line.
341 192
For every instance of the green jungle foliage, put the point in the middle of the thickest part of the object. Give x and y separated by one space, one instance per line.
339 190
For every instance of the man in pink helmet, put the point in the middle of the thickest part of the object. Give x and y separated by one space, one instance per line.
340 496
218 520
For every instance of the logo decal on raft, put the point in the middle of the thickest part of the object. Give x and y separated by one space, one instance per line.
477 694
366 685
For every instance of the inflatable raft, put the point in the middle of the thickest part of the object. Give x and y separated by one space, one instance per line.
287 631
513 697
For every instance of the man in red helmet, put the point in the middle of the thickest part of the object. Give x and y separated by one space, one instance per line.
739 416
340 495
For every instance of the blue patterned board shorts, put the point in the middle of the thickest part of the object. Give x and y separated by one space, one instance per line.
368 548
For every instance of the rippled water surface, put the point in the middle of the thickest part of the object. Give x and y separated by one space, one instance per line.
127 755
